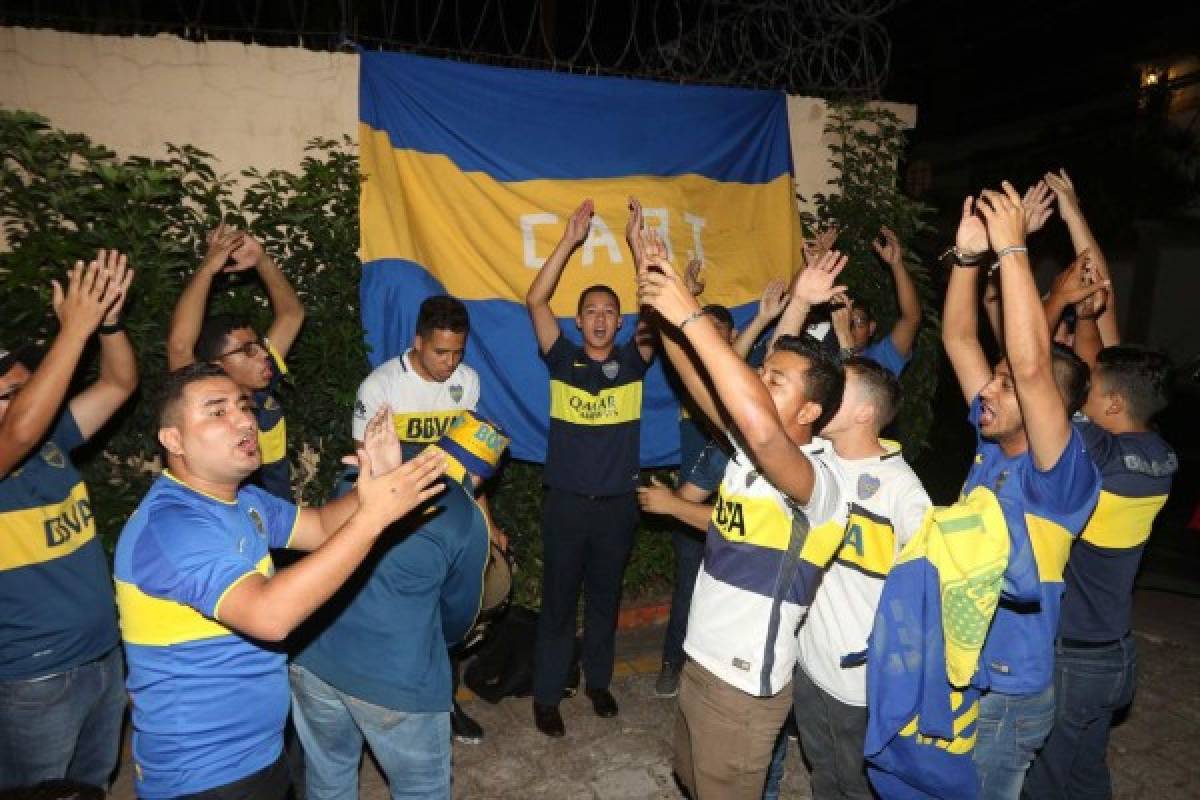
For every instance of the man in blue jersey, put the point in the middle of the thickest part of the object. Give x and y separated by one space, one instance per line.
257 364
857 336
61 700
199 595
589 510
380 671
1030 457
1096 658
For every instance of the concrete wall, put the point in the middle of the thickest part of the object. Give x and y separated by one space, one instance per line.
248 105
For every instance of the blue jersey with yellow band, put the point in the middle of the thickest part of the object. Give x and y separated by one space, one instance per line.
273 475
1135 472
595 419
1045 511
56 607
208 704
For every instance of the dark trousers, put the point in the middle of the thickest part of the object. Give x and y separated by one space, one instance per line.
1090 686
586 544
688 544
832 735
269 783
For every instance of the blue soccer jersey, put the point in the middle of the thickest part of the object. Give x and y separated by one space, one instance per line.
1047 510
56 607
274 474
208 704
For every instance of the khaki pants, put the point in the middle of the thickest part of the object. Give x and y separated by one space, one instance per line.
724 737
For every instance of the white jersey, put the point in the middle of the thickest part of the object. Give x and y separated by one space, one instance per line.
749 595
422 409
886 507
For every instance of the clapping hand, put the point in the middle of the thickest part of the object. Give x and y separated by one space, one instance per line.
774 299
94 293
817 283
659 287
1038 205
971 239
1004 217
221 241
579 223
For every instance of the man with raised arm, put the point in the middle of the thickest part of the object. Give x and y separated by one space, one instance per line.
775 524
1032 459
199 595
61 700
255 363
894 350
589 510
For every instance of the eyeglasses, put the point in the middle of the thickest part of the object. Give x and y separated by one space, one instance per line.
249 350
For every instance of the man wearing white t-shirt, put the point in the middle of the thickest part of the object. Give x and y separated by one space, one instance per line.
427 388
886 505
773 529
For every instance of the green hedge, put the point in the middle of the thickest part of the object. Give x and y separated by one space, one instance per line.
62 197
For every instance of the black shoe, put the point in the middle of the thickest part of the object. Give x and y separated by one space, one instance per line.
548 720
466 730
603 703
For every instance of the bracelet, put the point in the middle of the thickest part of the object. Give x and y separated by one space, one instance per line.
109 330
695 315
964 259
1005 251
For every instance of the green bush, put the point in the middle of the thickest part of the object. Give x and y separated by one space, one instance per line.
63 197
869 143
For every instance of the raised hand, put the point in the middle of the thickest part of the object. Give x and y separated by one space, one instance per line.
1078 283
634 232
91 293
659 287
972 238
579 223
222 241
116 265
774 299
246 255
887 247
1038 205
817 282
1004 217
839 314
388 496
691 277
1064 190
381 443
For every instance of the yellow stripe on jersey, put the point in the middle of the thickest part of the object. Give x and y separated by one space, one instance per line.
1051 544
272 444
869 543
424 427
759 521
1122 522
959 745
44 533
609 407
158 622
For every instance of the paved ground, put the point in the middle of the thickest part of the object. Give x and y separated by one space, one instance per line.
1153 753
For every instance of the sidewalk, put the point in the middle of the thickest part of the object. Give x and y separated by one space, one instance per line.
628 758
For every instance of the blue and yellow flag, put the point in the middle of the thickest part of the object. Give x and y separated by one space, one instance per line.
470 173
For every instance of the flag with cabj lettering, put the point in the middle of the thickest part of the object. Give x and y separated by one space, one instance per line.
470 173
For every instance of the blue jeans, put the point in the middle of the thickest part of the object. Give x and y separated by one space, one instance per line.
66 725
776 771
1010 731
689 552
1090 684
413 749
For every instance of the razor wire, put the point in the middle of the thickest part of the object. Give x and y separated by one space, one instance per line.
820 47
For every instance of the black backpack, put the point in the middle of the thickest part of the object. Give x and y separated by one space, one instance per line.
502 665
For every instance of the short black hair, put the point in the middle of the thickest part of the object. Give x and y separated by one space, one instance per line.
441 312
210 344
1071 375
1142 376
824 380
719 314
882 387
177 381
599 287
864 307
